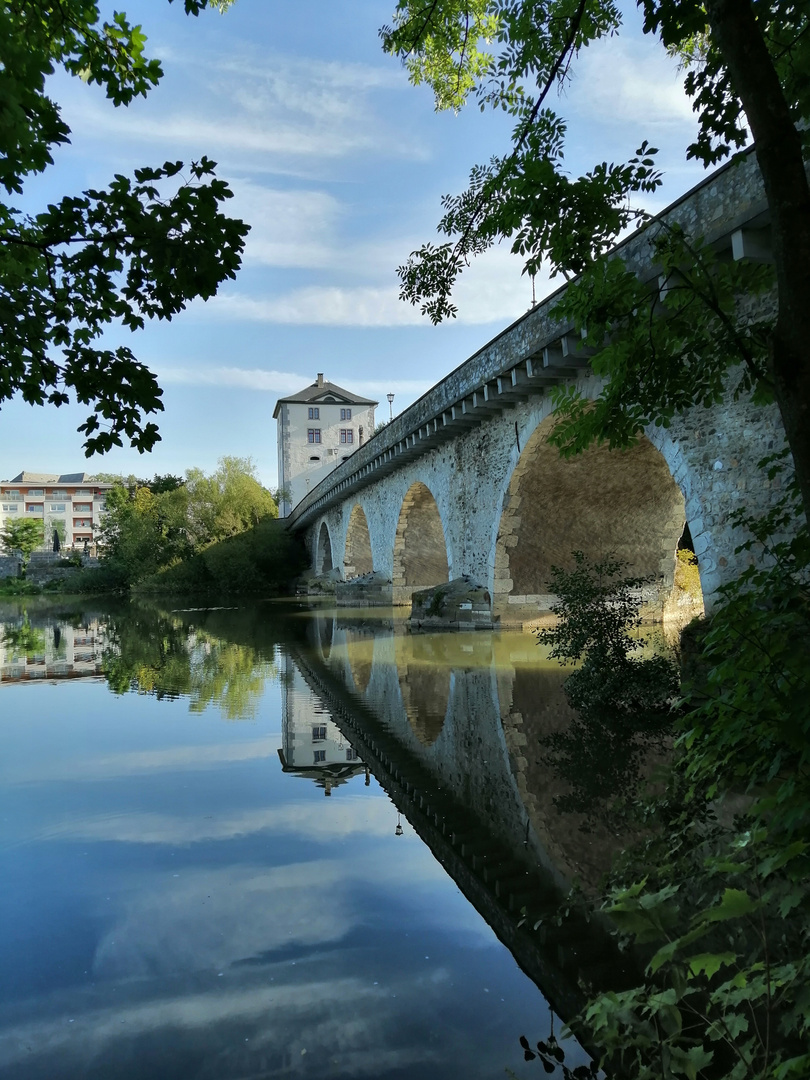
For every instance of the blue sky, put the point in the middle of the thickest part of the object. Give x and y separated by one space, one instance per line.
339 165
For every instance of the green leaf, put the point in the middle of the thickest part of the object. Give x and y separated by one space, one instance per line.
709 963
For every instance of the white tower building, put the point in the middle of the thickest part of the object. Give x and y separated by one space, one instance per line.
317 429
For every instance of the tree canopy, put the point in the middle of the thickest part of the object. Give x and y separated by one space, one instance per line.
139 249
748 70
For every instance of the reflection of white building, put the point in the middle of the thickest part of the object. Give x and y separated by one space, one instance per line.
313 745
318 428
70 503
49 650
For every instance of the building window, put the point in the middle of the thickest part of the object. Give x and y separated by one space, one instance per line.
346 435
318 732
82 524
320 755
314 434
82 508
314 414
345 414
351 755
35 508
36 491
10 508
57 508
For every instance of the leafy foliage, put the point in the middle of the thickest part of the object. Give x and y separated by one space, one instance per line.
663 346
717 898
24 535
139 249
747 68
623 700
207 533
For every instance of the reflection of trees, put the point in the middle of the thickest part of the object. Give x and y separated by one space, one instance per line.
153 652
24 640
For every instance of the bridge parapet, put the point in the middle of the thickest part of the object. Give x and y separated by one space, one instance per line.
538 350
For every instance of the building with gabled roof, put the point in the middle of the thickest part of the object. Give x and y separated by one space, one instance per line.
318 427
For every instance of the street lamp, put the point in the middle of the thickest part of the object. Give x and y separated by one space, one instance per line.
390 407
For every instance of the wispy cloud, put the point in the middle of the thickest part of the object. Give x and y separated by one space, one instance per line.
491 290
281 382
270 112
629 81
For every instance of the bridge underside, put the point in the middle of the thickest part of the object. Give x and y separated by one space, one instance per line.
618 504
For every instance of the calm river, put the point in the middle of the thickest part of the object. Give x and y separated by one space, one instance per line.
280 841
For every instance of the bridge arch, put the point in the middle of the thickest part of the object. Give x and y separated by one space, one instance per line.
323 552
358 559
420 547
619 502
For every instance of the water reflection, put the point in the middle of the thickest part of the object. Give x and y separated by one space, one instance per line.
313 746
48 646
177 903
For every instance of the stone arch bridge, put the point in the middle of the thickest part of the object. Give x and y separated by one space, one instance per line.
464 485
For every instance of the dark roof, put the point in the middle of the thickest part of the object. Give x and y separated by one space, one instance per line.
51 478
321 392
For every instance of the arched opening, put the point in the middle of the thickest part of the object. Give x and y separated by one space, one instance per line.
622 503
323 555
420 551
358 560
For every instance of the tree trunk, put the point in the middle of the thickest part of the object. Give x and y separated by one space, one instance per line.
754 78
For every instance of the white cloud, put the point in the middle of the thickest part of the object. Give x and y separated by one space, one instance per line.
491 290
274 382
282 382
287 228
627 81
270 112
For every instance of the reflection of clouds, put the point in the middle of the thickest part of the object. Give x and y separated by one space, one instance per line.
238 966
132 762
344 818
238 913
342 1020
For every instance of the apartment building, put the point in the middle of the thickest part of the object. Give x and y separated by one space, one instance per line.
71 504
318 428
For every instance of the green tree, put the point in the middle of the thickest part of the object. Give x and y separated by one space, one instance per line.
227 502
25 536
749 61
139 249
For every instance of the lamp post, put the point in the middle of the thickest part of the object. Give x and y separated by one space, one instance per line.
390 407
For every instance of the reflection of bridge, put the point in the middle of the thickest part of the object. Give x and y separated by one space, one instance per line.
441 752
465 483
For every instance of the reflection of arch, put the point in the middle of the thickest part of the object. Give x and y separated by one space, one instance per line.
358 559
420 551
360 653
323 553
603 501
424 682
326 631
